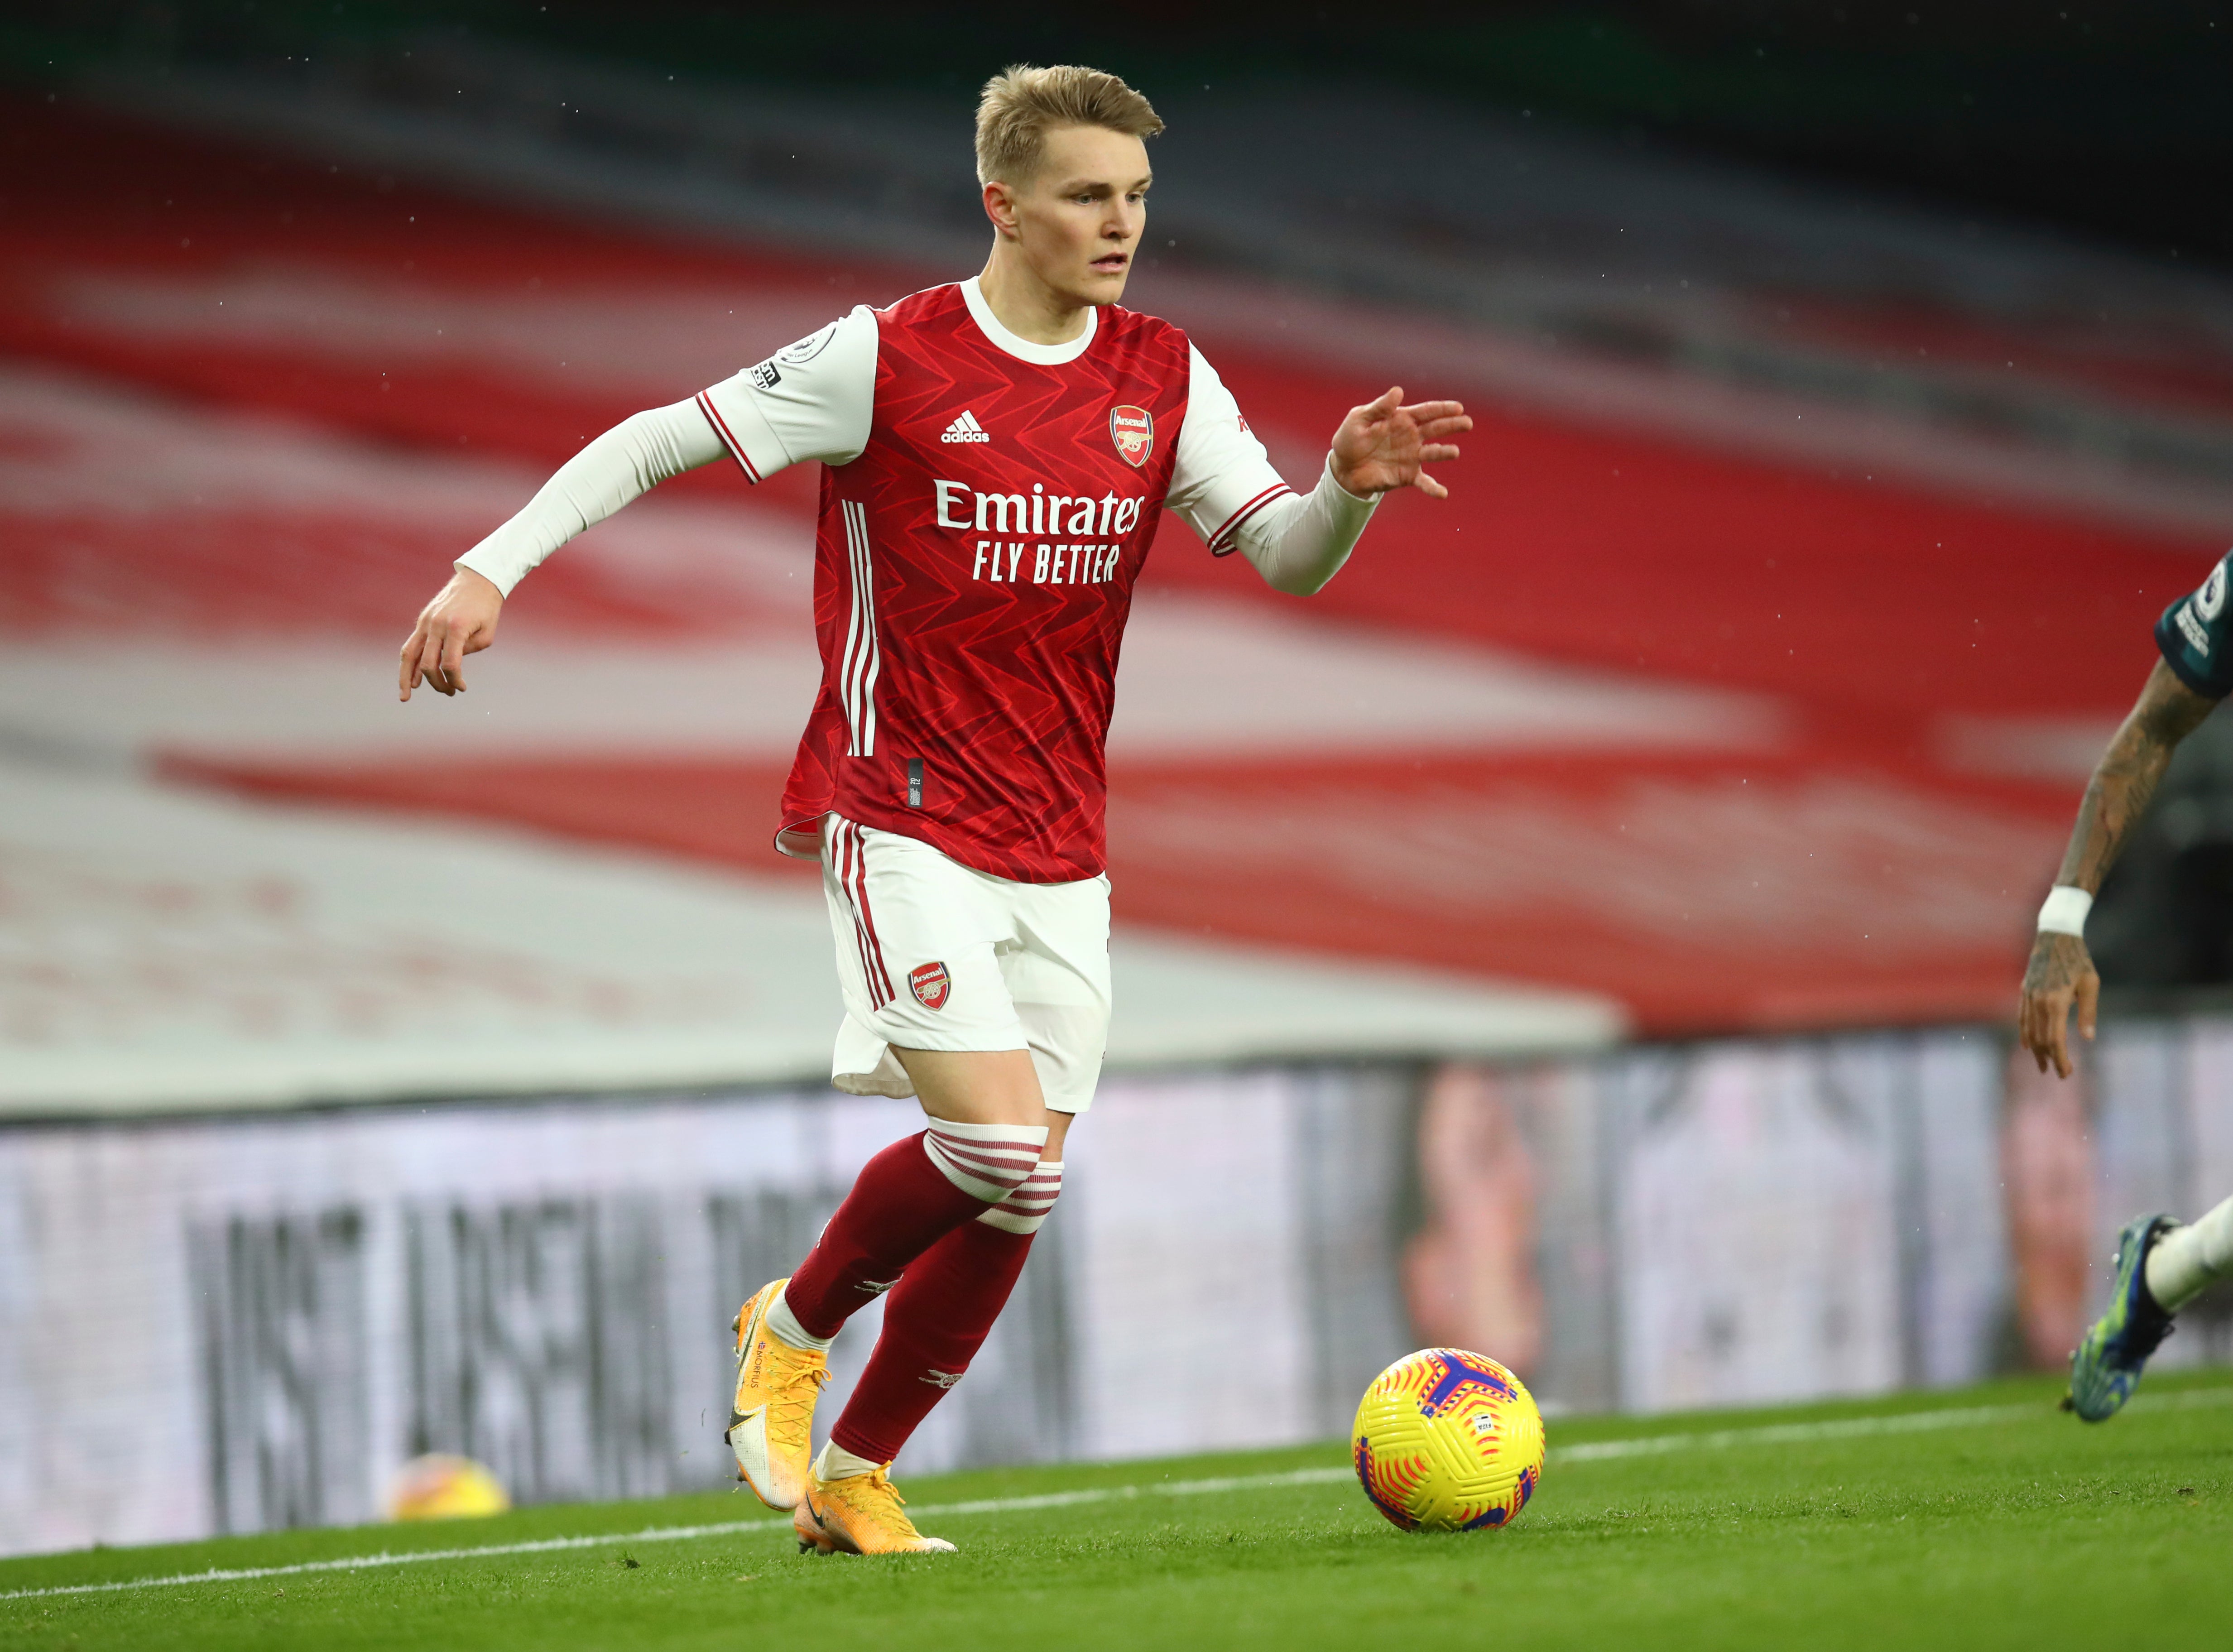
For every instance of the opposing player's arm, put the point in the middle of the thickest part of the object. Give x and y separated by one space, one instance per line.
810 401
2125 779
2061 975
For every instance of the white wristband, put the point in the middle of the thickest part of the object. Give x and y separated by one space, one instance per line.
2065 911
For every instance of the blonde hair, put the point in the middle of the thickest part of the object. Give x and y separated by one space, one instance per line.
1022 104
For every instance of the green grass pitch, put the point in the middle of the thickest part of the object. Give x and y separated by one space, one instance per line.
1976 1519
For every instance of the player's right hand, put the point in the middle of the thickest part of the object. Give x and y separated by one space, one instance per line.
2059 976
461 620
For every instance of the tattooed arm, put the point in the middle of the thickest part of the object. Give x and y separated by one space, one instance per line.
2060 972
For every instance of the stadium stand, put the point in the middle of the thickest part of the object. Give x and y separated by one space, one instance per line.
1766 664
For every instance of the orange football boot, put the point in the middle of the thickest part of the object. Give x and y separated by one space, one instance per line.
860 1514
771 1418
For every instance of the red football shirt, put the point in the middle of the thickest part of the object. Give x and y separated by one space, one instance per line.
975 558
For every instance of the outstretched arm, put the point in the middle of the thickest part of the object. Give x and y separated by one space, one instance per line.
626 462
2061 974
1224 483
811 401
1301 543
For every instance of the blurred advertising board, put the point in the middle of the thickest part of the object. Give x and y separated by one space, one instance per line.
234 1322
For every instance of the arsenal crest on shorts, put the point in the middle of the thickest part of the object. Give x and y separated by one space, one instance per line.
1133 429
930 984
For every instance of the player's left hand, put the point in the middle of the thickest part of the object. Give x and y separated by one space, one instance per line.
2060 977
1385 445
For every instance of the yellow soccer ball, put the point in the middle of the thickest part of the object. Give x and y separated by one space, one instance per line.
441 1487
1447 1441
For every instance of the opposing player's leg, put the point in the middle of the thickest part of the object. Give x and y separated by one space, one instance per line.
891 899
2105 1366
2161 1266
2187 1260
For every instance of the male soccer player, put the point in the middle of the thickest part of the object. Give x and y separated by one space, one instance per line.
2162 1265
995 453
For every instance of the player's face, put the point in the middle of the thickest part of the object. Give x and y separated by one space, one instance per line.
1078 223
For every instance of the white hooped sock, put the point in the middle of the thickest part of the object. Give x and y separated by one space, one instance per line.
1022 1211
838 1463
784 1326
2186 1260
986 1161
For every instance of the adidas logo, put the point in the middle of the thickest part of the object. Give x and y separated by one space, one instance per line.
966 429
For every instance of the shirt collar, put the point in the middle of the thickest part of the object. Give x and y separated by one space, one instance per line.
1051 356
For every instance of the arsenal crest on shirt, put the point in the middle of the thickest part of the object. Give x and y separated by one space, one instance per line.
930 984
1133 429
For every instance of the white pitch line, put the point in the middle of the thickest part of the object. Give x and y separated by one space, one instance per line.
1793 1433
1778 1434
675 1533
363 1562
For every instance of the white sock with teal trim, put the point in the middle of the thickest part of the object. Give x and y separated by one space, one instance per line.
784 1326
838 1463
2186 1260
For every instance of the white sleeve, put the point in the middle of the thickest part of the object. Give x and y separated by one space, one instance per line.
811 401
1221 476
1223 483
628 460
814 401
1297 543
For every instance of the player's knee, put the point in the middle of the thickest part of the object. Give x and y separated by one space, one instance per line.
987 1161
1028 1206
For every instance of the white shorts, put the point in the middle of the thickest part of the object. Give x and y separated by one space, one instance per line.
932 955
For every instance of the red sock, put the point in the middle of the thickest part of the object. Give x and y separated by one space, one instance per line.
937 1318
900 1204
